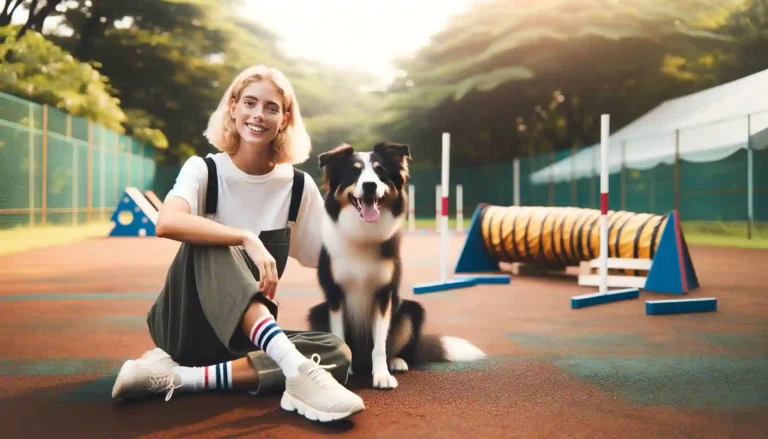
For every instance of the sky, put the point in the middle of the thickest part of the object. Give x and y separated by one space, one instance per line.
363 34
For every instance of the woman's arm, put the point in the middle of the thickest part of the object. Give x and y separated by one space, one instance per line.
176 222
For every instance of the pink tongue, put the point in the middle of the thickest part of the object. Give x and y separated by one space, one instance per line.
370 212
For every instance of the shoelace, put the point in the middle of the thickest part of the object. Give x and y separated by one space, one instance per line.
163 384
319 373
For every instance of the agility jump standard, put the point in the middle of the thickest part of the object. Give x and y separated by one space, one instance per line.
603 296
444 283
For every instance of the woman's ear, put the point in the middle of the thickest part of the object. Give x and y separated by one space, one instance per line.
232 106
286 120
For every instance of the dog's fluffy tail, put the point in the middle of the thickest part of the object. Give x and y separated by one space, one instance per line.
441 348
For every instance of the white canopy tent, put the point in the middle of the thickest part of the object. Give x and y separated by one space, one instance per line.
712 125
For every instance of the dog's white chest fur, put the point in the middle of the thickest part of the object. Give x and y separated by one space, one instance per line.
359 270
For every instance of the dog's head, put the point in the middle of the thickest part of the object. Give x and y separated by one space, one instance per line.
366 183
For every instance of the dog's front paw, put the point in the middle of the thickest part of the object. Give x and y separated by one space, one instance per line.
397 364
384 381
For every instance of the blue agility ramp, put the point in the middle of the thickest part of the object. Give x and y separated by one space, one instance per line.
680 306
672 271
134 215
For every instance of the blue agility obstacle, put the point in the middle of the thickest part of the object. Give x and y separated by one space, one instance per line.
586 300
672 271
680 306
134 215
450 284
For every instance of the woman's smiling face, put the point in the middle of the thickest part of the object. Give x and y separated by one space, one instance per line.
259 113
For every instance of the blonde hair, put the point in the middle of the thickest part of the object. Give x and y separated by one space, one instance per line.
292 144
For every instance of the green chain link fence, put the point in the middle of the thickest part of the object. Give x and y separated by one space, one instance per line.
709 186
56 168
59 168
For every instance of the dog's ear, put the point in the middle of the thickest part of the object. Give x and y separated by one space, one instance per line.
399 150
331 156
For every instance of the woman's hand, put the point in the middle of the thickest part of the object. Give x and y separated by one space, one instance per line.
265 262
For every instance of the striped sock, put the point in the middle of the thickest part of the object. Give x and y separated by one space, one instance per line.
215 377
268 337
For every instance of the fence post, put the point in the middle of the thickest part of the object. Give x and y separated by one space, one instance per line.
89 189
623 175
75 209
31 164
411 208
459 208
516 181
117 166
592 179
677 171
45 164
141 168
102 177
574 194
750 179
551 201
438 200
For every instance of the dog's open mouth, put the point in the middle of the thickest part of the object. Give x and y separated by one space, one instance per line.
368 207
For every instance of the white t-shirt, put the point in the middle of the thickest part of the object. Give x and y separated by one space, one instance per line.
256 202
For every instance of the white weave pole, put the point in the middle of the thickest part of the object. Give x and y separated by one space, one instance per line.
444 208
605 123
438 197
411 208
459 208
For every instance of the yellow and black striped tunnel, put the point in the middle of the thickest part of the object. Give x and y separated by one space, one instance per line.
566 236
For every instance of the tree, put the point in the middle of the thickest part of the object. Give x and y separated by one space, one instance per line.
43 72
511 77
38 13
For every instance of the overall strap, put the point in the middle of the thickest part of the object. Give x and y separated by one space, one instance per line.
212 191
296 193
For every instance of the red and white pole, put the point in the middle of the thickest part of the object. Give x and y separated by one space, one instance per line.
605 123
444 208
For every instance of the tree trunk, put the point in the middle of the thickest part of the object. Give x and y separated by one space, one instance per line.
37 19
5 16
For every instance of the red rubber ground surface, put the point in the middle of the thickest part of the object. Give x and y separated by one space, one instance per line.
69 316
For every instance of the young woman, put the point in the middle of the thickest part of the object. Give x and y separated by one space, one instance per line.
239 214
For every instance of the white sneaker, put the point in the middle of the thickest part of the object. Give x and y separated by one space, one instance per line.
315 394
149 375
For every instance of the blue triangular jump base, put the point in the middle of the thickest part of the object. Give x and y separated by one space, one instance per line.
474 258
586 300
680 306
133 216
451 284
672 270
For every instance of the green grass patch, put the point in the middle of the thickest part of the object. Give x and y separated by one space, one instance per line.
30 237
726 233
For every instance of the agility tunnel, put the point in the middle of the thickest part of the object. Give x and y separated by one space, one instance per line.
557 237
563 236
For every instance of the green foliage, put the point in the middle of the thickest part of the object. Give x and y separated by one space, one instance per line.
37 69
170 62
513 77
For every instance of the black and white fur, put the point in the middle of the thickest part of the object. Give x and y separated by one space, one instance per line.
360 267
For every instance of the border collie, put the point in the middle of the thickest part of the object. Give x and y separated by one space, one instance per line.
360 268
